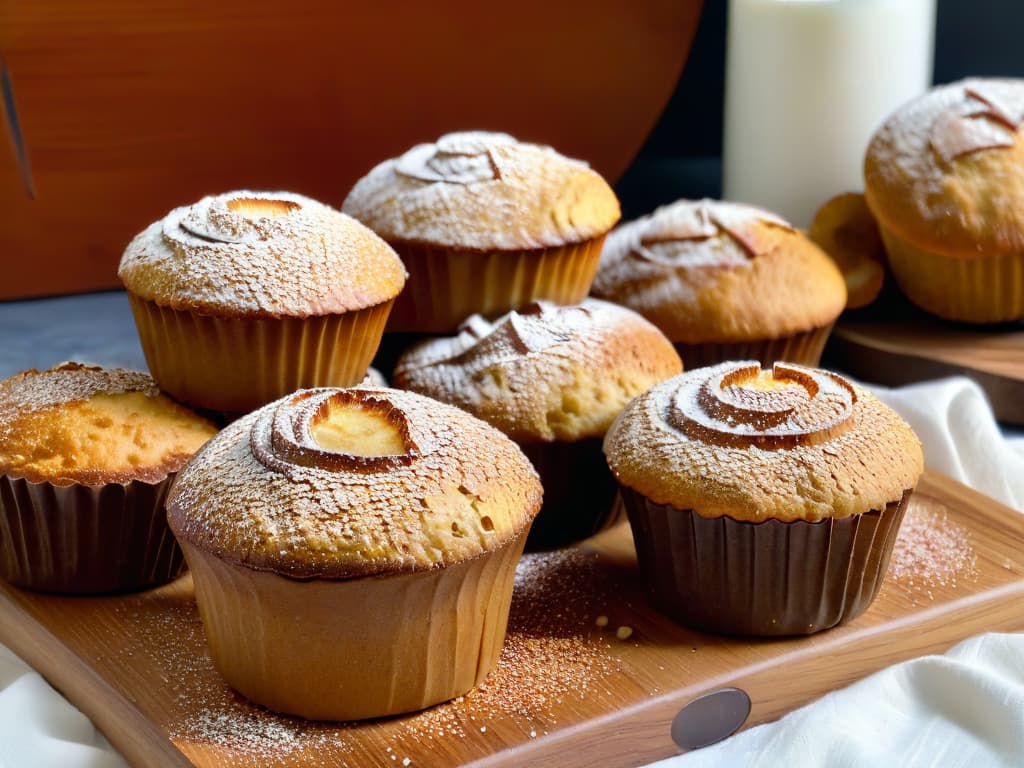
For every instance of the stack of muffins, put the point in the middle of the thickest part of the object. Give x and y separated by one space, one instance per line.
354 517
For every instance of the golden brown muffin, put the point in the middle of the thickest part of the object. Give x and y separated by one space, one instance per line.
944 177
724 281
353 550
763 501
486 222
246 296
86 457
553 378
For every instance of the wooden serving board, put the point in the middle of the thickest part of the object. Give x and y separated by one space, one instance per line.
895 343
567 692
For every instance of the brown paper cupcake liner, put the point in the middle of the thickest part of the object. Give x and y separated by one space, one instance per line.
579 492
80 539
769 578
356 648
803 348
969 289
236 365
447 286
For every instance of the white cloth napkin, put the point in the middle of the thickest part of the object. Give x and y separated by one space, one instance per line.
962 709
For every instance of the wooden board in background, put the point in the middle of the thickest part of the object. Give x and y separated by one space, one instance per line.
895 343
137 664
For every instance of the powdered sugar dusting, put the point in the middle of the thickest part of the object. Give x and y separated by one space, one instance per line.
552 654
484 191
931 551
68 382
267 253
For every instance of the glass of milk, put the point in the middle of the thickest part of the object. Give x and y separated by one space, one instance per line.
807 84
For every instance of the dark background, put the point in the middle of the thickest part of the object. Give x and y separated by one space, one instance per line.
682 156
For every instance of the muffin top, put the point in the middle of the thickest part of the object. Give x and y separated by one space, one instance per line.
946 171
710 271
792 443
83 424
339 483
262 254
483 191
543 372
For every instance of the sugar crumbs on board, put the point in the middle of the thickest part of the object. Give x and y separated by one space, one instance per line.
931 551
551 654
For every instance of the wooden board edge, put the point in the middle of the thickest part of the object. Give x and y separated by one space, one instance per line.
115 716
640 734
887 364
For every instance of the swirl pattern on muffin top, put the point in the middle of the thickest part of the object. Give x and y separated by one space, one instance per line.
261 253
338 483
790 443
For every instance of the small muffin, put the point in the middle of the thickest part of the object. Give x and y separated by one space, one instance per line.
553 379
86 457
247 296
763 502
484 224
944 177
724 281
353 550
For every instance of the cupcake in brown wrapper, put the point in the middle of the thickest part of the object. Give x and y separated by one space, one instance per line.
487 222
763 502
553 378
244 297
86 457
767 578
724 281
354 550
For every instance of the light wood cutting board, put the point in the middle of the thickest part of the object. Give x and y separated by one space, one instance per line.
574 694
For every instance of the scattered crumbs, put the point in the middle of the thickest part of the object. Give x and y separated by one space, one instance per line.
624 633
601 621
930 550
552 654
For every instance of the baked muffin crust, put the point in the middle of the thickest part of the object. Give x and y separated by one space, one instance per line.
274 492
544 372
483 191
261 254
792 443
84 424
711 271
945 173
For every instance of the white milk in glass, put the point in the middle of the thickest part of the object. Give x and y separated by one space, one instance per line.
807 83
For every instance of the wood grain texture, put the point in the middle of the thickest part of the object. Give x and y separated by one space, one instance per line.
894 343
137 665
132 107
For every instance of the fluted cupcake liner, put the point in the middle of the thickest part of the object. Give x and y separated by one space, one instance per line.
447 286
974 289
769 578
81 539
803 348
579 492
236 365
355 648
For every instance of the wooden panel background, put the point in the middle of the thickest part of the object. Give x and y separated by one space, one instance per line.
130 107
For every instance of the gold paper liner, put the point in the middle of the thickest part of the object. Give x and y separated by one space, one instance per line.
803 348
974 289
446 286
356 648
579 492
236 365
769 578
86 540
